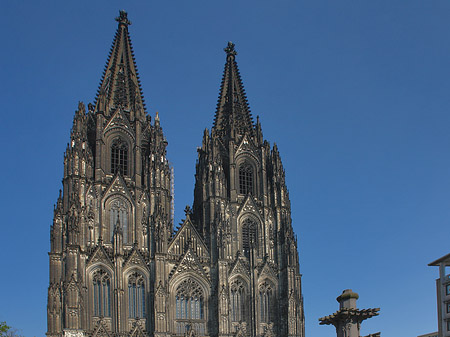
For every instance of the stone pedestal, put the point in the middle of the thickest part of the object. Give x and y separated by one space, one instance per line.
348 318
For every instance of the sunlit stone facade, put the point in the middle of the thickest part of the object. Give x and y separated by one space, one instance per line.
118 267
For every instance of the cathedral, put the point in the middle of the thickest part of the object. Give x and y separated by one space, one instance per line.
118 267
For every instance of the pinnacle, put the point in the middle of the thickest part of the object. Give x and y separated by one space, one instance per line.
233 115
120 85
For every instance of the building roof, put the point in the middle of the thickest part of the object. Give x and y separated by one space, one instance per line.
445 259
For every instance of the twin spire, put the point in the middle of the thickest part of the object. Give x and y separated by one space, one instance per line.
233 115
120 87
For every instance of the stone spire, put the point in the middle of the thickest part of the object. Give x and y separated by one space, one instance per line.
120 85
233 115
348 318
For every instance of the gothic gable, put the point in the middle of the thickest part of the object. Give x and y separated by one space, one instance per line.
119 187
136 331
267 270
239 268
100 330
249 206
119 120
188 236
135 259
247 146
189 263
99 255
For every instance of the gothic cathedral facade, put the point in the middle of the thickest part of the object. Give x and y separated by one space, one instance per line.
118 267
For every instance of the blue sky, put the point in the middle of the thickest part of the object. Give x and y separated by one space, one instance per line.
355 93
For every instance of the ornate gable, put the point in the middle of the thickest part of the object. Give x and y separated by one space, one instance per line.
136 259
118 186
239 268
249 206
266 269
246 146
136 331
189 262
186 236
100 330
99 255
119 120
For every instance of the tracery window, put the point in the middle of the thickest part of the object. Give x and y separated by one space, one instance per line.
238 301
245 178
266 299
119 157
136 296
102 293
189 300
249 236
118 215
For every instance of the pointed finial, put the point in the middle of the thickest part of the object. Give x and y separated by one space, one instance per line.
230 49
123 18
157 116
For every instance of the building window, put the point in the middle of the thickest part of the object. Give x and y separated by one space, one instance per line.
245 178
265 302
189 300
136 296
249 236
102 294
237 301
447 289
118 216
448 325
119 157
448 307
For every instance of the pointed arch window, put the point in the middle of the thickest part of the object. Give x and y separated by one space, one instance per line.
119 157
249 236
118 216
238 295
102 293
189 300
136 296
266 299
245 178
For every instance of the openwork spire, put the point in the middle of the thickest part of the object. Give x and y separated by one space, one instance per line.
120 85
233 115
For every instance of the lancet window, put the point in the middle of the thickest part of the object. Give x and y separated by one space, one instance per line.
238 299
118 216
245 178
266 299
102 293
136 296
119 157
249 236
189 300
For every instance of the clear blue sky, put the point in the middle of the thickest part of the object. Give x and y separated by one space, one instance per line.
355 93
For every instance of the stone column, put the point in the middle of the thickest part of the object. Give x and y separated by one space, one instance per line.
348 318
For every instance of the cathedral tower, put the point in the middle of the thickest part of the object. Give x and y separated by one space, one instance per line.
242 209
118 267
113 215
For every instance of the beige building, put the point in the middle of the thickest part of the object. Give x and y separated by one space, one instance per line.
118 267
443 295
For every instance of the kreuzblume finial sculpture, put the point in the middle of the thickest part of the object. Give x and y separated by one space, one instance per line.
348 318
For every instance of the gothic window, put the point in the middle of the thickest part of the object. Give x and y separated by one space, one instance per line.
118 216
102 294
119 157
136 296
245 178
237 301
249 236
266 299
189 300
